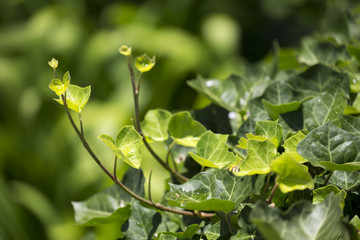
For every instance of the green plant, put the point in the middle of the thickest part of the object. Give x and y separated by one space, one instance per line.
275 156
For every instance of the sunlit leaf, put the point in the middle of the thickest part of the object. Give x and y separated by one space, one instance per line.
214 190
76 97
291 175
126 146
125 50
144 63
290 146
259 156
331 146
57 86
212 151
155 124
323 108
320 194
184 130
302 221
53 63
271 130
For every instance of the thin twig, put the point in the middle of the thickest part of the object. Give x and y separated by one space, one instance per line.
272 193
150 174
118 182
267 183
81 125
328 178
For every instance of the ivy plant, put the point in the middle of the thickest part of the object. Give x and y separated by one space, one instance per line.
276 155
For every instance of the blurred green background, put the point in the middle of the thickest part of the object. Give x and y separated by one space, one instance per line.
43 166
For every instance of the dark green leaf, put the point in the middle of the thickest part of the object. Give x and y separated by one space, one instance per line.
323 108
350 123
212 232
214 190
301 221
233 93
346 180
330 144
189 232
143 222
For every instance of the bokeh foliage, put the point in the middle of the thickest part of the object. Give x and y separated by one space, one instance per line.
42 164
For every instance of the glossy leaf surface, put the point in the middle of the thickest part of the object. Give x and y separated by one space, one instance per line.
155 124
214 190
76 97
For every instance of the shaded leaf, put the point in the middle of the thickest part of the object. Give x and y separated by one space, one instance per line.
291 175
142 222
332 147
155 124
301 221
76 97
350 124
233 93
212 151
345 180
316 80
111 205
323 108
184 130
213 231
189 232
214 190
127 145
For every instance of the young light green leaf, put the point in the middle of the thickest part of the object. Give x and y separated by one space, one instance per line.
144 63
212 151
76 97
111 205
214 190
302 221
290 146
57 86
142 222
53 63
271 130
258 158
184 130
323 108
233 93
291 175
126 146
331 147
155 124
345 180
320 194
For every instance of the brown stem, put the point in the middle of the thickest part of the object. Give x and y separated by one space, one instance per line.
328 178
136 91
118 182
272 193
150 198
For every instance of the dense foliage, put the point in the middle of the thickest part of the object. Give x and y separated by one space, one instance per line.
274 156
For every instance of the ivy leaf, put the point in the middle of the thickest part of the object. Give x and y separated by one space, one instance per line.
316 80
291 175
258 158
58 86
184 130
331 148
345 180
155 124
314 52
127 145
290 146
213 231
212 151
111 205
320 194
76 97
271 130
233 93
302 221
143 222
324 108
350 124
213 190
189 232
